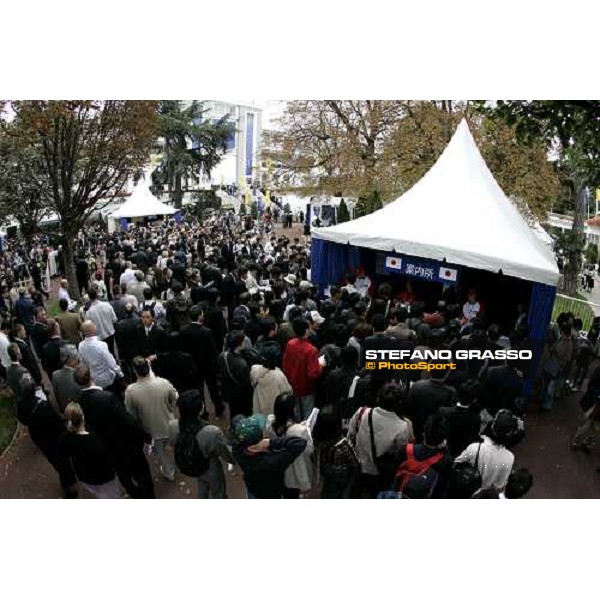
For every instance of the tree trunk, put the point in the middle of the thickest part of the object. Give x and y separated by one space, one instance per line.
178 193
74 290
573 263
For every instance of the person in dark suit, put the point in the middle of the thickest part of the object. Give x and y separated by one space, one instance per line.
426 397
126 331
501 387
45 430
15 371
462 423
151 339
198 341
176 366
28 360
106 416
51 351
39 331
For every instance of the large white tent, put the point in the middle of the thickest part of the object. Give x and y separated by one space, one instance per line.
458 213
142 203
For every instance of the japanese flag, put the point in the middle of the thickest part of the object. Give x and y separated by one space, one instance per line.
448 274
391 262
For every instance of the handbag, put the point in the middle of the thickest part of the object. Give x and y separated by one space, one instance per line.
386 464
553 366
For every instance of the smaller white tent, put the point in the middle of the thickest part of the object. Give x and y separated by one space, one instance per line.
142 203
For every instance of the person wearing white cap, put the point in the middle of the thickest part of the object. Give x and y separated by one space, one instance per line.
290 279
316 320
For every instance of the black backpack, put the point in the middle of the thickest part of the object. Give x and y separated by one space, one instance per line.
188 456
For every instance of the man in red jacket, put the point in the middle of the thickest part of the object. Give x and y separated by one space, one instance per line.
302 368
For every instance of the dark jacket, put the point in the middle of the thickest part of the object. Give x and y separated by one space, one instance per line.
501 386
107 417
236 387
25 311
264 472
13 378
197 340
51 356
125 334
463 426
179 368
39 337
28 360
149 344
45 430
425 398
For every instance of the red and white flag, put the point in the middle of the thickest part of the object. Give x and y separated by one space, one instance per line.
448 274
392 262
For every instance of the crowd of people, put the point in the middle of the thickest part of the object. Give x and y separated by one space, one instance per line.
203 347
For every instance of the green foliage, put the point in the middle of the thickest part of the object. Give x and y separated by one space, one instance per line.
368 204
254 209
192 146
24 188
342 213
591 253
571 130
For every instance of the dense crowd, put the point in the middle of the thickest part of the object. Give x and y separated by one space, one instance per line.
204 346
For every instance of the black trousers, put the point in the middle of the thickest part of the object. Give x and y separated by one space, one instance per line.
110 342
134 474
213 389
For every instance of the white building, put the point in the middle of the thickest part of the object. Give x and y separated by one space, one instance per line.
241 163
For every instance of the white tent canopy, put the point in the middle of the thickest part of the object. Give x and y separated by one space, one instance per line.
457 212
142 203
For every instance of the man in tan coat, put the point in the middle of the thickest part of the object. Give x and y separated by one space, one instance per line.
150 400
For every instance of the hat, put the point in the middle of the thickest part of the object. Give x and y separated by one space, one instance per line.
316 318
291 279
305 285
249 431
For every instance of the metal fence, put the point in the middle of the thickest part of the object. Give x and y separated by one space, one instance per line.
580 308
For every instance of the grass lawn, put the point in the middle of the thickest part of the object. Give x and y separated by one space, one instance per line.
8 419
52 308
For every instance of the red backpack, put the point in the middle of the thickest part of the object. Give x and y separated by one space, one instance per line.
412 467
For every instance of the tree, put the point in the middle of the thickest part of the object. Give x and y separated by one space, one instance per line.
192 145
571 131
360 148
331 145
342 213
23 183
87 151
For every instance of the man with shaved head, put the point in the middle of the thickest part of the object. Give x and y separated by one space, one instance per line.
95 354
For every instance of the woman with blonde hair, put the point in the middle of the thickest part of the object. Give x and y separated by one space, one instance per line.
89 456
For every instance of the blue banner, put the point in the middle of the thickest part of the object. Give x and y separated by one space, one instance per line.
420 268
123 223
